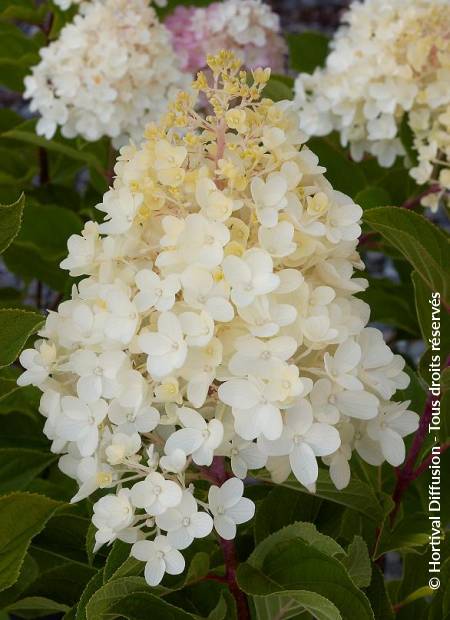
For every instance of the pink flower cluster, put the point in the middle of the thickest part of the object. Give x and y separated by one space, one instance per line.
249 28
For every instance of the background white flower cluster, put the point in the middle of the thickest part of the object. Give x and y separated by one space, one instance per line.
389 64
108 73
217 317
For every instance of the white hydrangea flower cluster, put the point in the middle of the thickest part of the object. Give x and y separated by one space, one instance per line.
217 319
110 72
389 59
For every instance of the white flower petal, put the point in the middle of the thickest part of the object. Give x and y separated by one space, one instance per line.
186 439
239 393
225 527
392 446
241 512
180 538
231 491
201 524
323 439
154 571
304 464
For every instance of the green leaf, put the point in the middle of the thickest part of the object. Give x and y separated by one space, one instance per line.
423 592
301 531
21 10
14 71
422 243
414 574
225 608
92 586
343 174
391 304
378 596
65 535
22 516
357 495
143 605
278 565
307 51
18 52
63 583
8 119
16 326
14 42
400 183
279 88
198 568
10 297
103 600
357 562
7 387
372 196
46 228
38 605
203 599
119 563
292 603
282 507
14 398
28 573
26 132
39 248
409 535
18 467
10 221
17 167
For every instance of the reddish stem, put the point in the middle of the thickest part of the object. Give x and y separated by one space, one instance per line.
413 202
213 577
218 474
231 563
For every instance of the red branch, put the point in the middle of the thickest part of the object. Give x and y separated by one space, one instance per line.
415 201
218 474
231 563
